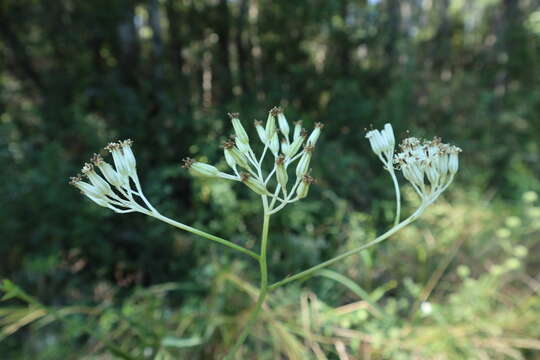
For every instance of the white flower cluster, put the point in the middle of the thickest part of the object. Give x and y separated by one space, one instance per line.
116 186
418 160
429 165
286 146
383 143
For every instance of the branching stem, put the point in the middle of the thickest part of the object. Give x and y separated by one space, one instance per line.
312 270
204 234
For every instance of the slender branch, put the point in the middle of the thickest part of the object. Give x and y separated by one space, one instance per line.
398 194
272 203
204 234
293 159
250 170
287 200
120 211
270 175
251 157
312 270
263 154
141 195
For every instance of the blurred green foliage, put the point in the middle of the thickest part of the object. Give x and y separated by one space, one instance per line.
461 283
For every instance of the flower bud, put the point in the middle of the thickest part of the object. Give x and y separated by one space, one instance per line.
129 157
407 174
312 140
229 158
284 146
86 188
232 152
303 164
107 170
453 162
388 134
413 174
303 187
242 146
271 125
296 144
281 173
297 130
432 174
418 174
442 163
199 168
119 162
274 144
283 123
239 130
95 179
254 184
260 131
377 142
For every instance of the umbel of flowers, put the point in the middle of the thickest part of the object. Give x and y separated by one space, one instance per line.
277 141
117 187
428 165
278 171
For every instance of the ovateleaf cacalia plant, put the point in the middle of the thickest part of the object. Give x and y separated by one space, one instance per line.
429 166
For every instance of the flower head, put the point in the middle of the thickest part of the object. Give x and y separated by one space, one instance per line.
429 165
113 188
382 142
280 140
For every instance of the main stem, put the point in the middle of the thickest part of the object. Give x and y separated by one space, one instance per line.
263 290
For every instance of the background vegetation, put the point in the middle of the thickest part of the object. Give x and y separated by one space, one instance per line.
463 282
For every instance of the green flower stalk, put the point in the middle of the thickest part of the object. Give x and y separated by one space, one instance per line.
281 172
